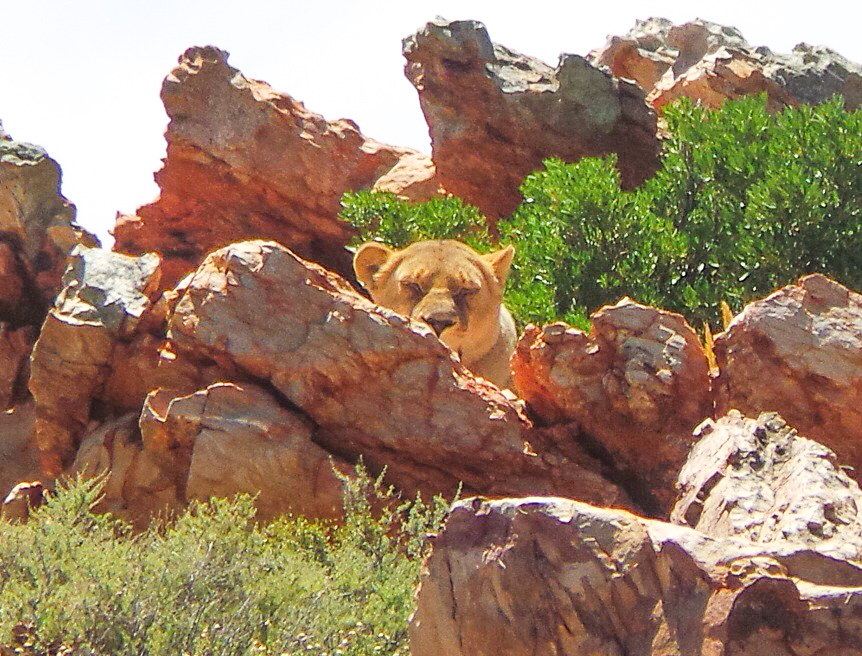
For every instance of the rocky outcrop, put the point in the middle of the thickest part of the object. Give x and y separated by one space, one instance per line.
37 232
759 480
553 576
798 352
637 385
711 63
244 161
228 439
494 115
371 382
106 298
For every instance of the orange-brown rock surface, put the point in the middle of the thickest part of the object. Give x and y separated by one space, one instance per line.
494 114
758 479
19 457
372 382
711 63
245 161
637 385
228 439
554 576
798 352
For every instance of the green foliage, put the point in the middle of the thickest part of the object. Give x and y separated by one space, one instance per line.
745 201
214 581
396 222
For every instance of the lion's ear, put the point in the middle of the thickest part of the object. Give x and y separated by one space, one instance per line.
500 261
368 260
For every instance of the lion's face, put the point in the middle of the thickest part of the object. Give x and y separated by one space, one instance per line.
445 283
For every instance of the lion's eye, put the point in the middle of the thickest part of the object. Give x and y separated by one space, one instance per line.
413 288
461 295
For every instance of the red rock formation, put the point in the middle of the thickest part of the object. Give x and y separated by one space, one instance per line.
552 576
243 162
798 352
371 381
494 115
636 385
711 63
86 338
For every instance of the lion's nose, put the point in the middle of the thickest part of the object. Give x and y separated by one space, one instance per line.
438 324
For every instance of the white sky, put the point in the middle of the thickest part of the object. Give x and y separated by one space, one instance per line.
82 77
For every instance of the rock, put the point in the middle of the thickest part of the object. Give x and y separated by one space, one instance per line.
23 497
38 231
19 457
413 178
710 63
371 381
554 576
759 480
106 296
244 161
636 385
137 485
15 347
798 352
495 115
227 439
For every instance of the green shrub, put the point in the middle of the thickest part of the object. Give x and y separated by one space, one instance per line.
744 202
213 581
398 223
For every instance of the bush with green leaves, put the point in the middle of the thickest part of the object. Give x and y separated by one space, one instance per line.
744 201
213 581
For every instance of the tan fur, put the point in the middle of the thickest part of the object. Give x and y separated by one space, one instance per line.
453 289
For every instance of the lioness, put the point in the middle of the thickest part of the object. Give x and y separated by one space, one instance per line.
453 289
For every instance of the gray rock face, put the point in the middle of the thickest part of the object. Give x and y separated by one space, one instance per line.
109 289
759 480
494 114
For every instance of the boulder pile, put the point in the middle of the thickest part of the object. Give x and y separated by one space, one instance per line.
629 498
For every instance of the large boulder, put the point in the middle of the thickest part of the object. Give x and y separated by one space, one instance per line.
494 114
798 352
244 161
711 63
758 479
637 385
553 576
102 311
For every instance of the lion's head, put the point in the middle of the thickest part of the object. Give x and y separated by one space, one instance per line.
444 283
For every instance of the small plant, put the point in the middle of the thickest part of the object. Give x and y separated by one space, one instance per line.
214 581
